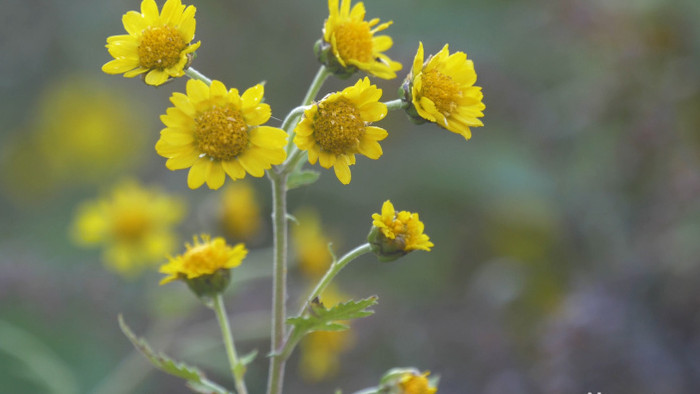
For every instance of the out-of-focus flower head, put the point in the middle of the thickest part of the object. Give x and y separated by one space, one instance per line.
441 90
218 132
349 43
240 211
132 223
336 128
321 350
407 381
158 44
311 244
81 133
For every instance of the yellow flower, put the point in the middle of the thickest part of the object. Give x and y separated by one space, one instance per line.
310 244
205 258
441 91
336 128
320 350
133 223
217 132
157 43
395 234
411 383
240 214
352 42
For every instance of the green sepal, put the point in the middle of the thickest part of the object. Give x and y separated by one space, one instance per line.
205 286
300 178
324 54
194 376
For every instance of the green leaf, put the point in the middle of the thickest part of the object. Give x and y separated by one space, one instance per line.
300 178
249 357
195 377
322 319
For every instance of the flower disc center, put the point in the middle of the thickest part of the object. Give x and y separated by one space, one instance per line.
221 132
442 90
160 47
354 41
338 126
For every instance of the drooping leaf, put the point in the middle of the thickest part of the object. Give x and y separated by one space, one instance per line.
195 377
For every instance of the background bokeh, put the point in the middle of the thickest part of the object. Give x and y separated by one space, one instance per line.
566 231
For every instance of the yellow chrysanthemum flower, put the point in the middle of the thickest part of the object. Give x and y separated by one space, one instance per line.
134 224
321 350
351 41
240 211
336 128
311 244
157 44
395 234
442 91
206 257
411 383
217 132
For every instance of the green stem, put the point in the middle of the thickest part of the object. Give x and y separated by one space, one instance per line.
332 272
311 94
237 369
194 74
396 104
279 281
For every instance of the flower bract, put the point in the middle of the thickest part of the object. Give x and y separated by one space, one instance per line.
337 128
157 43
217 132
202 259
349 42
396 233
441 90
133 223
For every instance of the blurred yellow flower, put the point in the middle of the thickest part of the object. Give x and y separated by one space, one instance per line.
240 211
353 42
157 44
82 132
320 350
217 132
311 244
441 91
134 225
336 128
411 383
395 234
203 258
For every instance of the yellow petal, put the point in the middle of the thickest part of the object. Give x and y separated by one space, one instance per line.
183 103
197 90
234 169
326 159
217 89
252 164
156 77
257 115
216 176
182 161
118 66
375 133
252 96
370 148
268 137
342 171
198 172
149 10
134 23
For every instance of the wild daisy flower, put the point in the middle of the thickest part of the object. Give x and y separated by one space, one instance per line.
158 44
441 90
395 234
205 265
412 383
336 128
349 42
217 132
133 223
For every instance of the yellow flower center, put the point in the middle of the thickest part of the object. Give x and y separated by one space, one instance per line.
160 47
338 126
131 224
203 258
354 41
441 90
221 132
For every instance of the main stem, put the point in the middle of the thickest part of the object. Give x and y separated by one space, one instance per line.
236 370
279 280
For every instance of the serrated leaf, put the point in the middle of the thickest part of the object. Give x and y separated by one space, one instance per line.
322 319
302 178
196 379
